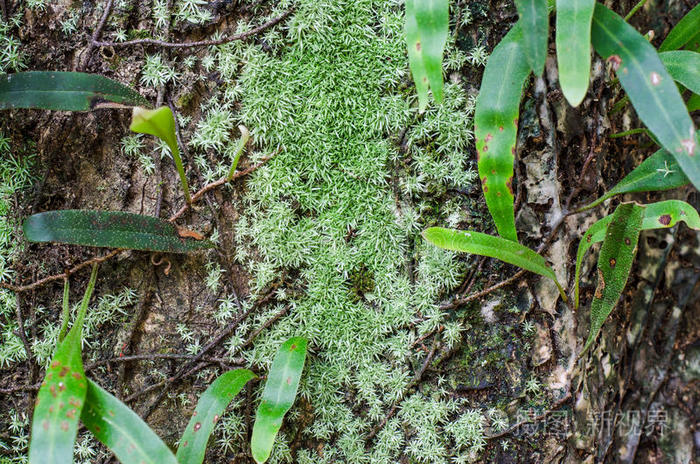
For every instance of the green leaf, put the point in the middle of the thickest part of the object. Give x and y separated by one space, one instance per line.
161 123
661 215
122 431
477 243
573 37
427 26
61 396
66 91
682 32
211 405
657 173
113 229
693 103
684 68
496 128
650 88
278 396
534 21
614 264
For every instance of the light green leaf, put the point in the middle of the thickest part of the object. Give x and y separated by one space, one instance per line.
573 37
661 215
684 68
210 407
496 128
650 88
122 431
278 396
534 21
161 123
657 173
614 264
113 229
66 91
477 243
61 396
683 32
427 26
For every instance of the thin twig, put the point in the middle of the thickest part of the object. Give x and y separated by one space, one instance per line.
96 35
201 43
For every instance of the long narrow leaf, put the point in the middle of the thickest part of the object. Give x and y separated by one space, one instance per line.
614 264
496 128
161 123
493 247
682 32
122 431
657 173
61 396
534 20
278 396
573 37
650 88
427 26
661 215
66 91
684 68
211 405
114 229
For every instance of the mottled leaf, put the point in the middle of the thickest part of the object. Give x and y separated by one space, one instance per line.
661 215
66 91
210 407
534 21
614 264
657 173
61 396
684 68
122 431
496 128
683 32
113 229
161 123
278 396
427 26
477 243
649 86
573 37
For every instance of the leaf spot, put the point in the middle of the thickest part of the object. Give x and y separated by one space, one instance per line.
64 426
64 371
615 61
627 241
418 46
665 219
655 78
197 426
216 418
613 262
488 138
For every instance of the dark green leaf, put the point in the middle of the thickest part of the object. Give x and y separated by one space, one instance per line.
427 26
211 405
67 91
661 215
496 127
477 243
573 37
650 88
534 21
61 396
682 32
278 396
161 123
113 229
693 103
122 431
659 172
614 264
684 68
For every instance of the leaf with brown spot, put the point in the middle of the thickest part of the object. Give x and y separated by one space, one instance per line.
278 396
209 408
53 431
614 264
672 211
497 107
121 430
